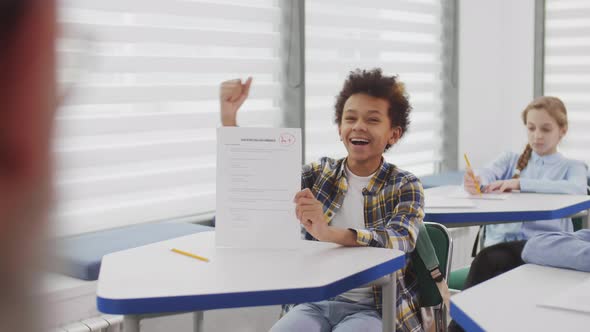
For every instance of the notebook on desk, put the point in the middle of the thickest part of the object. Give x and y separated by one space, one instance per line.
491 196
446 202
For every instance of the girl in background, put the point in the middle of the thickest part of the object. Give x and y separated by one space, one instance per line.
539 169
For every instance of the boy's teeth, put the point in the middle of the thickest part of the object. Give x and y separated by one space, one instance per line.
359 141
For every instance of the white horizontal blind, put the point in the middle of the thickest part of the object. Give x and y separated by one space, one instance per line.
400 36
567 69
136 136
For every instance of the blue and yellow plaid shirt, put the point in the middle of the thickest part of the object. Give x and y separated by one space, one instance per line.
394 209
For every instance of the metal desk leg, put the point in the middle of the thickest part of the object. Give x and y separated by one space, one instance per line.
131 323
389 300
198 321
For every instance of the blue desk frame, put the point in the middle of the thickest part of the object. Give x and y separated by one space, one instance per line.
459 219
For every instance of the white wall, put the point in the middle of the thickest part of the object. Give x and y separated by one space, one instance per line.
496 52
496 58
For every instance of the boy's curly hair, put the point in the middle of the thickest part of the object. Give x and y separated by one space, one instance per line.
375 84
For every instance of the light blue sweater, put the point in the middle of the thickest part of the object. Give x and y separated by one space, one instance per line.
553 174
559 249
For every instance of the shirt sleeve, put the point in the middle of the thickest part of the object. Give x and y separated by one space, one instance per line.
309 174
560 249
401 230
575 182
499 169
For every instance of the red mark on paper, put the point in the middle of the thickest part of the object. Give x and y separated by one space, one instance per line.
286 139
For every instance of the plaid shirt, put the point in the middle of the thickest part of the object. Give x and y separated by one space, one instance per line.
393 204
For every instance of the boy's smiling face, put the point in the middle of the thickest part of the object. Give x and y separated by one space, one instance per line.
366 130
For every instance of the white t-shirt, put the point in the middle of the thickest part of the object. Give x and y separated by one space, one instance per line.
352 215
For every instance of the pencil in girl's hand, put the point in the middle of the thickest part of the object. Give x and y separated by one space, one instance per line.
472 175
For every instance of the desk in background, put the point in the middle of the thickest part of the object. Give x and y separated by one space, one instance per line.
518 207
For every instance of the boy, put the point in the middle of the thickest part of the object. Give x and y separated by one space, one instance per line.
360 200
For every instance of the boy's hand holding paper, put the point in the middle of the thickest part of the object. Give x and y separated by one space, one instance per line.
310 213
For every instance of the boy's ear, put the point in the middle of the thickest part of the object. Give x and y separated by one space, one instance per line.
396 134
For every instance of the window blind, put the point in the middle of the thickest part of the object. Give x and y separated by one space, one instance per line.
401 37
135 139
567 69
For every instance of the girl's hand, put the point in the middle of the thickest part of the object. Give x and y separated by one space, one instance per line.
232 95
503 186
310 213
468 183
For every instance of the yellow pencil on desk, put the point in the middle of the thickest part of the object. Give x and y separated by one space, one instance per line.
472 175
178 251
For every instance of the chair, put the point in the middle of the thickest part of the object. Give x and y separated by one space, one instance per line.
579 221
435 236
430 296
458 277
